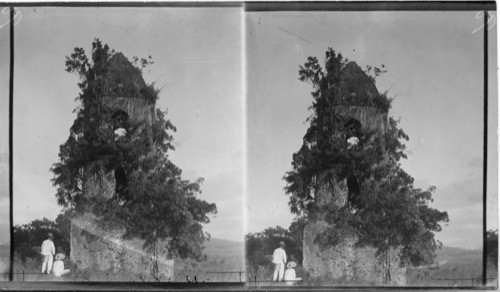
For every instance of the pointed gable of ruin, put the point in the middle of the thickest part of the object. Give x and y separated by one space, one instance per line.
357 87
122 78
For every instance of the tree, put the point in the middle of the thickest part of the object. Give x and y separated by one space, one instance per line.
384 209
261 245
492 242
29 237
155 203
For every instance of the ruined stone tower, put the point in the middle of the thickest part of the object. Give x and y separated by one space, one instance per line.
105 252
122 95
344 262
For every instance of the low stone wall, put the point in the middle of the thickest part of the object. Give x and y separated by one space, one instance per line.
344 264
107 257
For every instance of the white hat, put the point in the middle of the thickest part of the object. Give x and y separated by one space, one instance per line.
60 256
291 265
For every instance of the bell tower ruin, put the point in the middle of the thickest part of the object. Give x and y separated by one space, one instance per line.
122 96
344 263
103 250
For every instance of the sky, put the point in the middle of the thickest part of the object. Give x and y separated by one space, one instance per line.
242 143
435 72
197 54
4 128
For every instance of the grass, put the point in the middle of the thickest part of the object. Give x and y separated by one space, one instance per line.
456 267
222 256
4 262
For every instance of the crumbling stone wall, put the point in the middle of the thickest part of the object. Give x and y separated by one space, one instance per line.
122 78
370 117
107 257
104 252
123 84
344 263
98 184
138 109
334 192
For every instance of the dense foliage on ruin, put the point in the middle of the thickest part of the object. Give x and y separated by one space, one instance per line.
387 210
157 203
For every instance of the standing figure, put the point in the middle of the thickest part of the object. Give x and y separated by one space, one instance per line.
279 261
58 268
48 252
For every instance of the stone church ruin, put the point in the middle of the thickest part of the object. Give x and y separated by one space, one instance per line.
103 249
343 262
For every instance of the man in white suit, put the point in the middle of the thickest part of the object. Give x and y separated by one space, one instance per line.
48 252
279 261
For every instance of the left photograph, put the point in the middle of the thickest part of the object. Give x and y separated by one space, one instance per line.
128 145
4 145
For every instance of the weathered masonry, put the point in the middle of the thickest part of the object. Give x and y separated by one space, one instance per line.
105 252
344 262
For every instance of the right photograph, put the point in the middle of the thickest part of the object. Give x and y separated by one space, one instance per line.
367 151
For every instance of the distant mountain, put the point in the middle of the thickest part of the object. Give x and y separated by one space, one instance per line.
459 262
5 246
455 266
447 253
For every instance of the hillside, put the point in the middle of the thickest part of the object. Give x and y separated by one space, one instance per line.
454 255
5 250
456 266
222 256
4 259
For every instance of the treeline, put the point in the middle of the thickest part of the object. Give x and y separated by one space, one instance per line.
261 245
28 238
492 249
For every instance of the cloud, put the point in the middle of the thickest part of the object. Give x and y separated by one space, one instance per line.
461 193
33 204
226 191
453 236
4 232
4 220
4 185
4 158
463 201
4 174
476 162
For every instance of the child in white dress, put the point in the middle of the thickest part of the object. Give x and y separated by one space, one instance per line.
58 267
290 272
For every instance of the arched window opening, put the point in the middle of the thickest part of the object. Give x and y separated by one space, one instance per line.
352 189
352 131
120 123
121 184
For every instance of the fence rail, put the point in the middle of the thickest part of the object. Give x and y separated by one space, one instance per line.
229 272
209 272
23 274
253 280
465 282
